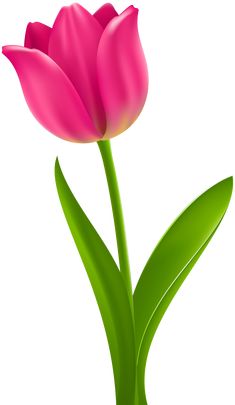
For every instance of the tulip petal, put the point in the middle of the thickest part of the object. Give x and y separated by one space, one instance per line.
73 46
50 95
122 72
105 14
37 36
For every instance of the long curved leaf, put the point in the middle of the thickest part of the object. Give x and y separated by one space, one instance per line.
171 262
109 289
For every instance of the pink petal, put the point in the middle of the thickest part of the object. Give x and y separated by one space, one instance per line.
122 72
37 36
105 14
73 46
50 95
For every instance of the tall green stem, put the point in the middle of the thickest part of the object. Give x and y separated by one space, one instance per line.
106 153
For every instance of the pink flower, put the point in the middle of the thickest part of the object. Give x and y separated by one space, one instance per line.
85 79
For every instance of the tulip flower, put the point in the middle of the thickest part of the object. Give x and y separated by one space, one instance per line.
85 79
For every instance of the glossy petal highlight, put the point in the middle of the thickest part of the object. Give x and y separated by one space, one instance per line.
50 95
73 46
105 14
122 72
37 36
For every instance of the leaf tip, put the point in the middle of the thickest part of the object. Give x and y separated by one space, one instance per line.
228 182
58 175
57 168
57 163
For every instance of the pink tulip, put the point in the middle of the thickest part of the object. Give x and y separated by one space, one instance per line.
85 79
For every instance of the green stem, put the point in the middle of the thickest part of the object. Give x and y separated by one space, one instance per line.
106 153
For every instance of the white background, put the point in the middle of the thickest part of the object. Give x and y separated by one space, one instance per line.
53 348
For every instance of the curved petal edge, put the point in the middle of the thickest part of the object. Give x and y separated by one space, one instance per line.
37 36
105 14
51 96
122 72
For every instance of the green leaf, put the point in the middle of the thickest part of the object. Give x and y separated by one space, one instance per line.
171 262
109 289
